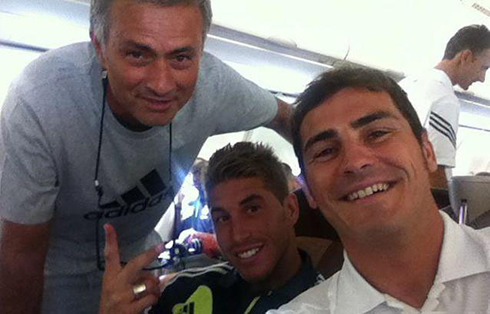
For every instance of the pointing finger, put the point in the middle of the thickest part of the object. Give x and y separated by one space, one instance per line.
111 251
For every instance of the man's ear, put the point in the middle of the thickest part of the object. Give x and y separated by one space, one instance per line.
428 152
292 207
304 186
99 49
467 56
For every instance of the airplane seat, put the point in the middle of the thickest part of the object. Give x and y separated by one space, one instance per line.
441 196
318 238
470 200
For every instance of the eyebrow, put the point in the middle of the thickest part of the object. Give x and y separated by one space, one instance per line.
328 134
246 200
133 44
378 115
249 199
216 209
325 135
181 50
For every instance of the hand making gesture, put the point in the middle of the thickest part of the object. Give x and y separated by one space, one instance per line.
127 288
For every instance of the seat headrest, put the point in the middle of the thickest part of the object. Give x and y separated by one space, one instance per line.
476 191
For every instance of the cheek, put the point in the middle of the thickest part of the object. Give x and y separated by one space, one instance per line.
319 187
125 76
221 237
120 83
188 79
131 77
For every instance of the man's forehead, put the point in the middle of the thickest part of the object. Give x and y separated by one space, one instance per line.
235 190
131 12
347 106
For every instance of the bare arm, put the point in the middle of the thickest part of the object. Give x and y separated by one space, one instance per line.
438 178
281 122
23 251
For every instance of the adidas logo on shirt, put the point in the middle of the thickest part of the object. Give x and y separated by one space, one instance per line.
135 201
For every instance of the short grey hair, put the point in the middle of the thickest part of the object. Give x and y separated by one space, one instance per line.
100 13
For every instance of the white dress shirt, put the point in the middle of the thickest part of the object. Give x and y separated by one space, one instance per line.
461 285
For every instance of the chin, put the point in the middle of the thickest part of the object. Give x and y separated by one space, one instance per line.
253 277
255 273
158 120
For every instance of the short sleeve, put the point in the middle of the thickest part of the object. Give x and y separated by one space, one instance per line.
241 104
443 130
28 186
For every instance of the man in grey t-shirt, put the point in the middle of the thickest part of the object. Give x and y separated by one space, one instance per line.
163 98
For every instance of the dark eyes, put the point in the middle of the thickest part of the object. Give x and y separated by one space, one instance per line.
182 58
252 209
135 54
377 134
137 57
181 62
220 219
140 58
325 152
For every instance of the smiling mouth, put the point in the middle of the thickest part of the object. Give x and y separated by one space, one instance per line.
248 253
163 100
368 191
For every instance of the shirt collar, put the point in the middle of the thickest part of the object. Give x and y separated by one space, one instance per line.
442 77
304 279
462 242
352 285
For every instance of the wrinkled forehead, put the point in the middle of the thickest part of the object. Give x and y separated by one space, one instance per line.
344 109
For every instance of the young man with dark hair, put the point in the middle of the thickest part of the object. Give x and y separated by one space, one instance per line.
254 216
366 161
466 60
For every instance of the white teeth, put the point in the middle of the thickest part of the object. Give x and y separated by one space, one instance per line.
248 254
352 196
370 190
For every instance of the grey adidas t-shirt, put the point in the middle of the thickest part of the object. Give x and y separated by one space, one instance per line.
48 145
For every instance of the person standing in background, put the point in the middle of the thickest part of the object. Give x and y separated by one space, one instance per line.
466 60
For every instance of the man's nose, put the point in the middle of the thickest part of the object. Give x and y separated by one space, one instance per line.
161 79
240 231
356 157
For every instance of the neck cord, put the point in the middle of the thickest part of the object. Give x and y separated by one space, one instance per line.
98 186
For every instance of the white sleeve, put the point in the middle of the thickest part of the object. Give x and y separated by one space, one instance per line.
443 130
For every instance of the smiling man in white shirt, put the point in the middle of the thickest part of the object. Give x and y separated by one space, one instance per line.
366 160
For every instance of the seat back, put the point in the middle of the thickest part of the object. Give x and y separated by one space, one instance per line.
318 238
476 191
